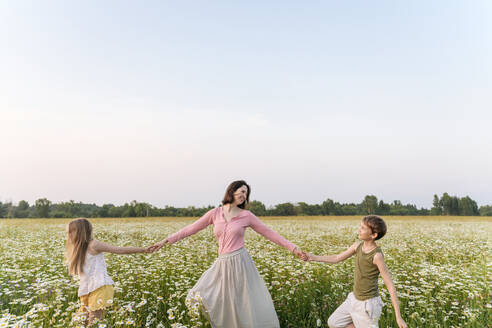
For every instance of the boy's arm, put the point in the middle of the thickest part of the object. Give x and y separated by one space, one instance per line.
100 247
383 270
335 258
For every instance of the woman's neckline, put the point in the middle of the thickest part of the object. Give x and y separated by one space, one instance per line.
223 217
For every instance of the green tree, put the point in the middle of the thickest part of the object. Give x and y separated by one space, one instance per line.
350 209
284 209
170 211
436 206
369 204
383 208
42 207
22 209
445 203
129 209
142 209
328 207
468 206
257 207
104 210
455 206
485 210
4 209
303 208
116 211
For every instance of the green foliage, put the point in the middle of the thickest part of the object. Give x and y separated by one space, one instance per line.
22 210
369 204
436 206
42 206
284 209
4 209
445 205
257 207
452 205
486 210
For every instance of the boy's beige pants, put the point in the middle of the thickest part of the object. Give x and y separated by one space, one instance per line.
363 314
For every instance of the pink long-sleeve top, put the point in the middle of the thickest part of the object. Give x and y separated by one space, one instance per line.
230 235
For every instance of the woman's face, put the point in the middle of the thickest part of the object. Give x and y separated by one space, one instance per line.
240 195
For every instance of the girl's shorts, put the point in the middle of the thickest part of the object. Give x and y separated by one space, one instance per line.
98 299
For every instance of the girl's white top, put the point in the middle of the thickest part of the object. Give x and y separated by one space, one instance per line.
94 274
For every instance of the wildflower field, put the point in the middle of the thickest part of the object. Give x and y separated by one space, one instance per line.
441 267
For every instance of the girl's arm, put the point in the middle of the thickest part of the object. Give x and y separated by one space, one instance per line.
99 247
335 258
189 230
383 270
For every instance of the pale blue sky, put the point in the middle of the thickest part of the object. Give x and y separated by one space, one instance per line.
167 102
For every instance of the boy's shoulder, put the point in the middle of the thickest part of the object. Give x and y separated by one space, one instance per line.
355 246
378 255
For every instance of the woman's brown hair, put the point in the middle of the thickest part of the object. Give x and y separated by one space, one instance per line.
231 189
79 236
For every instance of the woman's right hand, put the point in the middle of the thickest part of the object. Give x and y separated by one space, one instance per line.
157 246
300 254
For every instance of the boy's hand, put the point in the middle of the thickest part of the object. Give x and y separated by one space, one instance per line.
401 323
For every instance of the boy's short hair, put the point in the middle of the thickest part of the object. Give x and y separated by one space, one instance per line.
376 224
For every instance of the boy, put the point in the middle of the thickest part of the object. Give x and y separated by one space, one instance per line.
363 306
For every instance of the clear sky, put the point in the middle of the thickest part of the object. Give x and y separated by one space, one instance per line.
167 102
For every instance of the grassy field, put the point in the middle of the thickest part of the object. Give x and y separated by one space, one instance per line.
441 268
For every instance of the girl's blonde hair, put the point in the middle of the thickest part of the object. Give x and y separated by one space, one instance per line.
79 236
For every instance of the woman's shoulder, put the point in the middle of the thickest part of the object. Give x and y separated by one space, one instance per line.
247 213
250 216
215 211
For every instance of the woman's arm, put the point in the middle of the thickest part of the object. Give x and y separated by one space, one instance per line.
189 230
383 270
335 258
100 246
269 234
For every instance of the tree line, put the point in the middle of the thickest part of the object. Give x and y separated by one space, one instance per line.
444 205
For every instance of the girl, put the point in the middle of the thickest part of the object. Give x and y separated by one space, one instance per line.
84 257
232 291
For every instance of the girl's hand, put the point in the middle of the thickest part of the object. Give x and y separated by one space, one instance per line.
401 323
157 246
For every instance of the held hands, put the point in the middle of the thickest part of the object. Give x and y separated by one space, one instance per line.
157 246
145 250
300 254
310 257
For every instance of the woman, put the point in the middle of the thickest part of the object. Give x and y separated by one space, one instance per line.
232 291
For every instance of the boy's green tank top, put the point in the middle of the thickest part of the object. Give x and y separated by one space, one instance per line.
366 274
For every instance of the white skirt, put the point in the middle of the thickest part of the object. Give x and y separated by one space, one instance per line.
234 295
